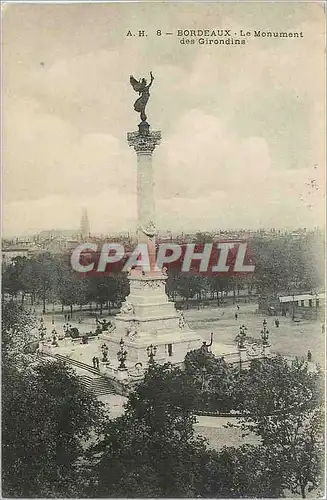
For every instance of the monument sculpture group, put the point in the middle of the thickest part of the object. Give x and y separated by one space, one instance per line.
147 317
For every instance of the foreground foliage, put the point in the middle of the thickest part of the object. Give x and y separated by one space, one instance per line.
46 416
58 441
283 405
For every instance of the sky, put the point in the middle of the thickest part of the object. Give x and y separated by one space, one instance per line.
242 125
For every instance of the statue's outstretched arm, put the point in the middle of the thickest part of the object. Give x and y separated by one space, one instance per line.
152 78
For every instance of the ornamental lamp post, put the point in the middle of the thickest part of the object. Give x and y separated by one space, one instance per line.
104 349
265 338
241 343
265 332
293 308
121 356
317 301
151 351
42 329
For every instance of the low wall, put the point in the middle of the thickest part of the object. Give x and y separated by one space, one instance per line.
200 413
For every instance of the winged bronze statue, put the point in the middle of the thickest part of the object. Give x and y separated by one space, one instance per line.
142 88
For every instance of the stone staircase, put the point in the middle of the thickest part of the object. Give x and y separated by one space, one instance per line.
100 385
78 364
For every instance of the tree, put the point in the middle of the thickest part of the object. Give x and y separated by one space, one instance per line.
303 460
46 271
113 290
188 285
213 379
281 404
220 284
47 416
12 277
151 451
202 238
72 286
288 264
271 258
220 388
30 279
237 284
98 290
164 401
172 283
243 472
122 287
18 329
280 389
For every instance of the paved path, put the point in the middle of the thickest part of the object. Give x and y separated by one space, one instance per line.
219 434
213 422
114 403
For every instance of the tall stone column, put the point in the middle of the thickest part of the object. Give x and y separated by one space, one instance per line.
144 143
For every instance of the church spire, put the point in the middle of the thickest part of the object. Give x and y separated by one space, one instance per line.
85 224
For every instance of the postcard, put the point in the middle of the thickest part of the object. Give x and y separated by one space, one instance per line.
163 234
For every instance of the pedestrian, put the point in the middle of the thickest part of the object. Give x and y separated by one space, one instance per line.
65 317
309 356
277 322
236 315
238 307
94 361
97 362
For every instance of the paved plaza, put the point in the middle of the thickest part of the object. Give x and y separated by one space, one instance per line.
290 339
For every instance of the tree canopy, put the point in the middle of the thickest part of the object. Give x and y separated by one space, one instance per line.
46 417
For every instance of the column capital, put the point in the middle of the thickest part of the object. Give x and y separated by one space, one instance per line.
144 143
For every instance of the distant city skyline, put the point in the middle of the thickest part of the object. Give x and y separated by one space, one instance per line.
76 232
242 127
190 228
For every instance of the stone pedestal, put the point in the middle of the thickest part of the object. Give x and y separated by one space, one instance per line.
148 317
266 350
122 374
242 354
